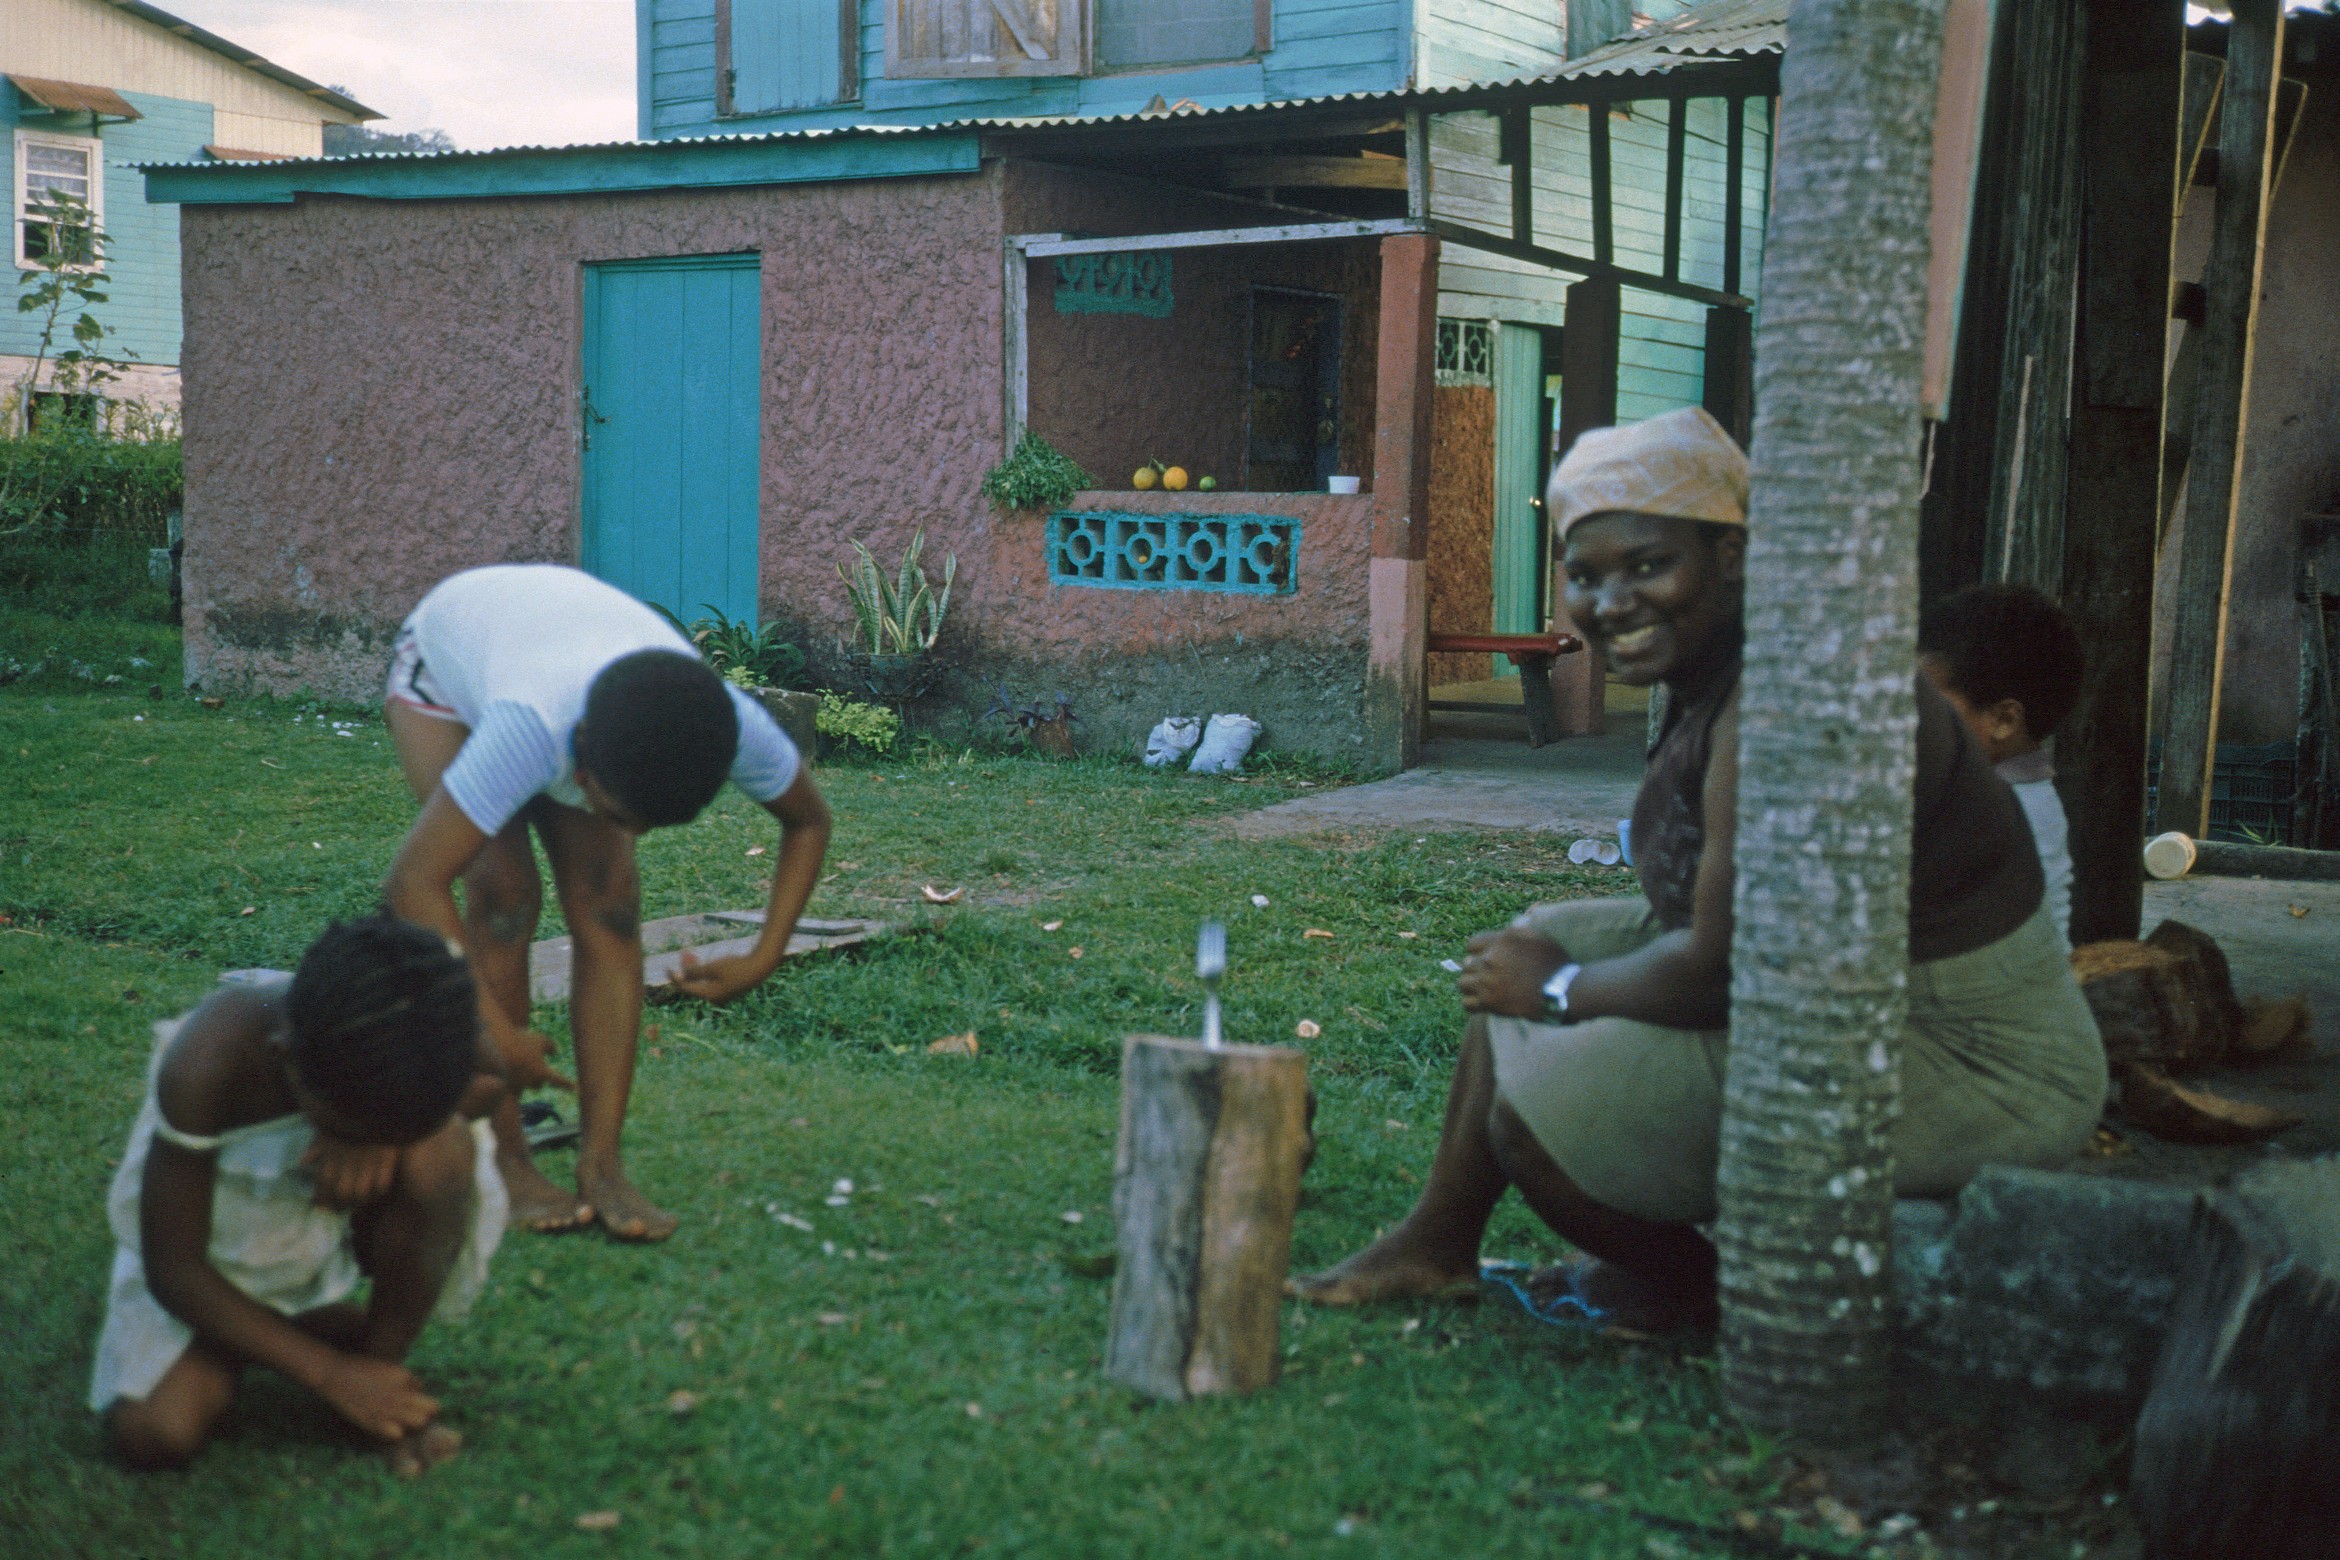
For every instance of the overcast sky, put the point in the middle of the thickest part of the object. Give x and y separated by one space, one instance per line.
488 72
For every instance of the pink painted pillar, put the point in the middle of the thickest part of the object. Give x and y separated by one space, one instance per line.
1397 690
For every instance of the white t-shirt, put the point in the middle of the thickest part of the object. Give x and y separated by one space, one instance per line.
2033 777
513 649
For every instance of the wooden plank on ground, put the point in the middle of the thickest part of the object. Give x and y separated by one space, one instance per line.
714 935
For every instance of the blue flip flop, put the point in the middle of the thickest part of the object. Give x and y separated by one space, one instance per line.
1567 1309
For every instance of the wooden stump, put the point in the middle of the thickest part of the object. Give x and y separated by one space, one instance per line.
1205 1182
2238 1440
2167 1002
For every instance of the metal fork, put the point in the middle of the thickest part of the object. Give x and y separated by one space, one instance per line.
1210 962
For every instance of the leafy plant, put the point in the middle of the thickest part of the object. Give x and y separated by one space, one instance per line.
901 616
855 724
1028 717
742 653
1037 476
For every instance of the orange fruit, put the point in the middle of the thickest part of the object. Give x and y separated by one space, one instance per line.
1175 479
1144 480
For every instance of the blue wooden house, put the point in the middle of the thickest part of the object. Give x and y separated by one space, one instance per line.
89 90
1366 264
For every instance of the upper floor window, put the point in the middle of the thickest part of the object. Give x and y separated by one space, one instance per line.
1068 37
772 55
60 198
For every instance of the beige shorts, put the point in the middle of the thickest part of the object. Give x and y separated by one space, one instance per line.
2000 1064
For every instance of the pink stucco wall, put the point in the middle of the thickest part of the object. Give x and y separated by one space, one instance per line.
381 393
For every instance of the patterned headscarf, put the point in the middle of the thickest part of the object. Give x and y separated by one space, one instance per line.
1678 463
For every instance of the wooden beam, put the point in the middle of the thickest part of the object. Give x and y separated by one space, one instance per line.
1015 344
1603 215
1300 172
1562 260
1677 144
1417 164
2130 141
1729 395
1519 135
1588 358
1038 245
2197 663
1734 193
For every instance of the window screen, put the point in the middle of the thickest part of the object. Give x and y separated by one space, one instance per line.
1173 32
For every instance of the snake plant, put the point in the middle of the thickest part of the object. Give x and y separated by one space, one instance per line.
900 616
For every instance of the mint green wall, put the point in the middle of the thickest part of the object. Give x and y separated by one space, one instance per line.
143 302
1321 47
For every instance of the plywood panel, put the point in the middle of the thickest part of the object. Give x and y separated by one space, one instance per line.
1462 523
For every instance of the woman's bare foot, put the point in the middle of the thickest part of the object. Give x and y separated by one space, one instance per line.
624 1212
1623 1299
412 1456
537 1204
1399 1266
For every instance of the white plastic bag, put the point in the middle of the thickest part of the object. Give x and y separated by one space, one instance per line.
1172 740
1224 743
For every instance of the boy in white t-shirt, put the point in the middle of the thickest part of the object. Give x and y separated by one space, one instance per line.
536 696
2009 661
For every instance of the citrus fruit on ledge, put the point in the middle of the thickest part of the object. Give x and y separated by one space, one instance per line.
1144 480
1175 479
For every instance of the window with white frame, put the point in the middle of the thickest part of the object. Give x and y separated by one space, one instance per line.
58 174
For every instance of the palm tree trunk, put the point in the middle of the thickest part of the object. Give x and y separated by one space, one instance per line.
1827 727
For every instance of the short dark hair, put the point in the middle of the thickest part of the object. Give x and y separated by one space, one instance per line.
659 735
385 1026
1999 642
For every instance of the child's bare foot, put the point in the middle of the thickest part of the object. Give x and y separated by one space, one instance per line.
1399 1266
624 1212
538 1204
415 1455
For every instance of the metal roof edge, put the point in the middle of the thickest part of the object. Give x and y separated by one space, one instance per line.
237 53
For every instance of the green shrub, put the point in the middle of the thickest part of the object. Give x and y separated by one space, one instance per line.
67 484
742 653
851 723
1037 476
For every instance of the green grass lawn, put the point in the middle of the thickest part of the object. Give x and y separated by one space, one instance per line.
917 1375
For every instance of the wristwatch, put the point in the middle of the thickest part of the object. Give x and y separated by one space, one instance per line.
1556 993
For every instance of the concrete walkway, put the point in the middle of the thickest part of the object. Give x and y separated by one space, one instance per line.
1581 785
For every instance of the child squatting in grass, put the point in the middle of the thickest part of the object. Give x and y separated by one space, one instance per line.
229 1252
532 696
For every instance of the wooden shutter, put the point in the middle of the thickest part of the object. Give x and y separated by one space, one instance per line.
984 38
772 55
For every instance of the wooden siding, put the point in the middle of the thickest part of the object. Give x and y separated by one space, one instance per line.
88 40
1461 41
143 302
1661 353
1321 47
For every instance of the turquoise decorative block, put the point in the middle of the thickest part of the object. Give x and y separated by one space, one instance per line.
1114 284
1254 555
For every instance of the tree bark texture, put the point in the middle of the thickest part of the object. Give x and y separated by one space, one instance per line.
2238 1439
1205 1183
1819 963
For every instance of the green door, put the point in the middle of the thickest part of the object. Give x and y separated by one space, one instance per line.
1519 419
670 412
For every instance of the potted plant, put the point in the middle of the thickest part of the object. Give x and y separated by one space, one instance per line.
1037 476
1049 730
896 621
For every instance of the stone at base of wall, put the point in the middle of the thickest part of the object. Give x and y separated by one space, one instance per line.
2050 1285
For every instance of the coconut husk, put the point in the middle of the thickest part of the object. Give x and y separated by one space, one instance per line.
2150 1004
2273 1026
2177 1114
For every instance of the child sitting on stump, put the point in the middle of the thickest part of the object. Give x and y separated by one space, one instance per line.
242 1226
2009 661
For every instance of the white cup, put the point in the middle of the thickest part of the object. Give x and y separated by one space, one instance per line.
1342 484
2169 855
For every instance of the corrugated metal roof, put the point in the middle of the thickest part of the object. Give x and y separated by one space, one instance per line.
1715 33
183 28
1720 30
73 97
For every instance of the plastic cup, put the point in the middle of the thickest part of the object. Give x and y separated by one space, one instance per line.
2169 855
1342 484
1625 839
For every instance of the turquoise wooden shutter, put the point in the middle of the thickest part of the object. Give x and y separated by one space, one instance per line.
772 55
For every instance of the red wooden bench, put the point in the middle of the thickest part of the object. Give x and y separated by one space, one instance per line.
1533 654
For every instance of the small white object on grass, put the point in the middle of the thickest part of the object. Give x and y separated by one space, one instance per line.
1450 966
1225 742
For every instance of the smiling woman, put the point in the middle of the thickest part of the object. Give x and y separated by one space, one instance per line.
1591 1075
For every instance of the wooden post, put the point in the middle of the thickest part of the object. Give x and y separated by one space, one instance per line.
2246 146
1588 358
1205 1183
1730 370
2136 53
1397 583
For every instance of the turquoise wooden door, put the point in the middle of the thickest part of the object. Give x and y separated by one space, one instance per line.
671 410
1519 418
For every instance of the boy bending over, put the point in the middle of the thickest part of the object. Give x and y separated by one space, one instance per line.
532 696
243 1222
2009 661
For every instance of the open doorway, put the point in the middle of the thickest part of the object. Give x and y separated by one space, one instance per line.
1292 439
